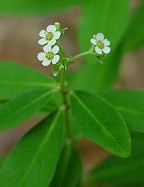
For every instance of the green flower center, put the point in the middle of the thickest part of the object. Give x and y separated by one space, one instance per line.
49 36
49 55
100 44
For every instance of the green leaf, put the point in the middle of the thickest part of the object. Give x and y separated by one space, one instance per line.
33 161
1 160
131 105
22 107
122 171
99 121
49 107
17 78
69 168
134 37
101 76
35 6
73 127
103 16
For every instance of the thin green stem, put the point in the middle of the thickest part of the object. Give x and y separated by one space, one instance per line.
67 124
65 92
64 95
63 79
66 104
72 59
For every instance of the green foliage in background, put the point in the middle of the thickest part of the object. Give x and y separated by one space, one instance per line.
130 104
36 7
47 154
122 172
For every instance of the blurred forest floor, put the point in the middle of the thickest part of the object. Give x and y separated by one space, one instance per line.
18 42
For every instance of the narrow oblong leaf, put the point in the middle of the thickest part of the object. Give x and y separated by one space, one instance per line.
35 6
69 168
134 37
131 105
17 78
99 121
33 161
124 172
22 107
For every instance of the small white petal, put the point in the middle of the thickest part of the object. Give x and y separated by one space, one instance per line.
55 59
106 50
98 50
57 35
47 48
42 41
46 62
55 49
106 42
51 28
100 37
42 33
52 42
93 41
41 56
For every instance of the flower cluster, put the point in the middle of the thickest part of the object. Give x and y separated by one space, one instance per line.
54 53
101 45
48 41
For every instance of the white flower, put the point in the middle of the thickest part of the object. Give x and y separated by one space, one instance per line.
49 55
49 36
101 44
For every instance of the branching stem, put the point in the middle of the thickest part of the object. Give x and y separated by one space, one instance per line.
64 92
72 59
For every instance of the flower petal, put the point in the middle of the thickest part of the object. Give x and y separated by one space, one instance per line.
41 56
57 35
51 28
106 42
42 41
93 41
46 62
52 42
98 50
55 59
55 49
106 50
100 37
47 48
42 33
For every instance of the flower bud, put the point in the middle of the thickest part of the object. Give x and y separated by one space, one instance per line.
57 25
61 65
